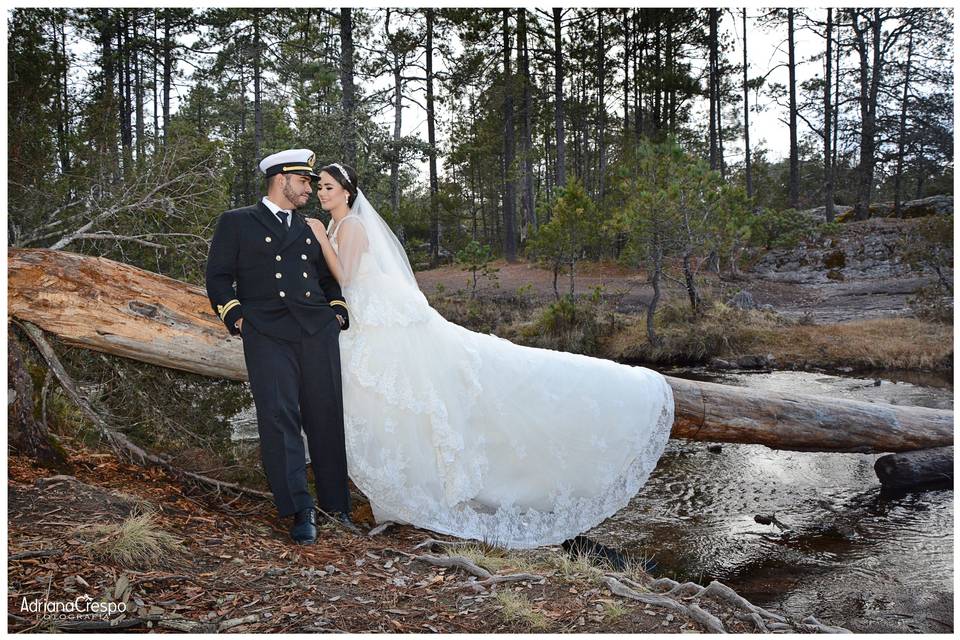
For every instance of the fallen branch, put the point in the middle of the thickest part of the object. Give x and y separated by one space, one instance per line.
118 441
43 553
236 622
480 586
455 562
430 543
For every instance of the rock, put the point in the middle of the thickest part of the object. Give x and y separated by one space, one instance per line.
756 362
743 300
910 468
718 363
930 206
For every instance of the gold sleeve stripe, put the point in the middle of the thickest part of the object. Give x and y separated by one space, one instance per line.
339 303
225 308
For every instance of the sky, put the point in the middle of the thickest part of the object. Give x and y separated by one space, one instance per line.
766 50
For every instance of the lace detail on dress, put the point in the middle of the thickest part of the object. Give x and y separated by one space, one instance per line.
471 435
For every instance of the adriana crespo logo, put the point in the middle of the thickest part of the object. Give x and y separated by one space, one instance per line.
82 607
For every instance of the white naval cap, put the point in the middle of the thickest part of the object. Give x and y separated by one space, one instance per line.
299 161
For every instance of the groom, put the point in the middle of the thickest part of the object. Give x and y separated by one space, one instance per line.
268 282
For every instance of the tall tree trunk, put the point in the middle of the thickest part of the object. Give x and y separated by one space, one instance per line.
639 51
560 172
432 144
902 138
257 98
794 148
627 48
657 124
167 72
711 80
108 132
718 79
601 107
652 337
349 130
827 113
126 103
529 208
692 294
746 112
509 192
138 89
670 95
63 93
836 106
397 124
247 177
156 85
869 87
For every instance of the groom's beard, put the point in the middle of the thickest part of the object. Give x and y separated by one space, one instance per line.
296 198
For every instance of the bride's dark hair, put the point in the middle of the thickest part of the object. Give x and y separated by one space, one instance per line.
346 177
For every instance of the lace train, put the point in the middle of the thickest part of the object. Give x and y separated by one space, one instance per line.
471 435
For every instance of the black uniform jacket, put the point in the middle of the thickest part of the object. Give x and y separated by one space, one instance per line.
273 277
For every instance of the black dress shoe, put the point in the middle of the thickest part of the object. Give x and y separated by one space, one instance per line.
304 529
345 520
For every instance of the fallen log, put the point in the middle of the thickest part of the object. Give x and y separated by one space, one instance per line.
911 468
122 310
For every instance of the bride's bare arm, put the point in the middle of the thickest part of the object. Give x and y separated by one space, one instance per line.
351 245
329 255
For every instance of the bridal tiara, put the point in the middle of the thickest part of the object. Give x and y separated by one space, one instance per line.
343 172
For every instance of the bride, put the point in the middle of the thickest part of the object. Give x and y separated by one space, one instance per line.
468 434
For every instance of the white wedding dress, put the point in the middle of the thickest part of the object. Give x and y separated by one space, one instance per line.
471 435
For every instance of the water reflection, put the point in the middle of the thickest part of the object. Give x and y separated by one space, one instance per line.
854 555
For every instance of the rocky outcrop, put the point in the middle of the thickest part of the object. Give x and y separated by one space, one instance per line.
868 249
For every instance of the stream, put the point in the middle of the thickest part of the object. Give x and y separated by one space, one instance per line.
854 556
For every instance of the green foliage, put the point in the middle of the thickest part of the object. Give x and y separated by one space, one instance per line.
180 414
476 259
781 229
575 225
570 325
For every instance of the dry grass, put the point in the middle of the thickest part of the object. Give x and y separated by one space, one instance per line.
613 610
719 330
579 567
515 608
723 332
497 559
135 543
886 343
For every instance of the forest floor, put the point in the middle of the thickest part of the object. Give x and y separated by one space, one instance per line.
181 558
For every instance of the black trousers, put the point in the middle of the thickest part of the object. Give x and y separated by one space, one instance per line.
293 384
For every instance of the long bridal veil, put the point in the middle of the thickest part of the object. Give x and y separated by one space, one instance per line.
471 435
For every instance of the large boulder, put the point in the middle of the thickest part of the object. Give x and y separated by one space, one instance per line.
931 206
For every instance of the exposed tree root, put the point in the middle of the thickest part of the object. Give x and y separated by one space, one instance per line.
763 620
